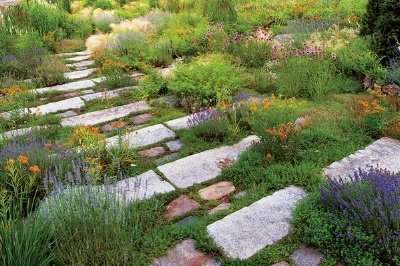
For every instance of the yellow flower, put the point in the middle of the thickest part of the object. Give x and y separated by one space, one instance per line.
253 107
23 159
34 169
266 103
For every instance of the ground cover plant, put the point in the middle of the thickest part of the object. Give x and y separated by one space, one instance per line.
315 80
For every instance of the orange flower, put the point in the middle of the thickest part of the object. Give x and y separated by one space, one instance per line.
23 159
34 169
266 103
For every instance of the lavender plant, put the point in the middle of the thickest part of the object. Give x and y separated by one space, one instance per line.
202 116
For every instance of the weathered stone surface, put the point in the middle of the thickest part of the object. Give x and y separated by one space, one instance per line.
106 115
99 79
141 187
383 153
72 86
174 145
79 74
20 132
55 107
68 114
152 152
78 58
217 191
243 233
185 254
166 159
104 94
143 137
221 207
181 206
15 113
82 65
141 119
203 166
282 263
179 123
306 257
82 53
119 124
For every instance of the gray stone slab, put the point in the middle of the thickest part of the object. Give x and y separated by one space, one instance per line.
78 58
99 79
305 256
106 115
72 86
141 187
82 64
174 145
81 53
203 166
179 123
67 114
143 137
20 132
245 232
105 94
79 74
383 153
55 107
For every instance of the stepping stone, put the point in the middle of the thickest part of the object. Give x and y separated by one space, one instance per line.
78 58
82 65
306 257
179 123
383 153
143 137
217 191
79 74
55 107
166 159
119 124
141 119
72 86
153 152
223 206
82 53
106 115
19 132
99 79
185 254
174 145
67 114
282 263
141 187
205 165
245 232
181 206
105 94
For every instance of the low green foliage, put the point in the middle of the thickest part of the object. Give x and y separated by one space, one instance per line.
251 53
151 86
220 10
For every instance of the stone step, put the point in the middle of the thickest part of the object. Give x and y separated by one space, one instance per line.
383 153
82 65
79 74
105 94
72 86
106 115
205 165
55 107
78 58
245 232
185 122
20 132
143 137
82 53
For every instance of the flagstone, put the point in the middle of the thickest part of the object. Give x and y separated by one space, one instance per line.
174 145
245 232
217 191
203 166
79 74
383 153
68 114
181 206
82 65
141 119
141 187
78 58
143 137
106 115
55 107
153 152
179 123
104 94
305 256
221 207
99 79
81 53
72 86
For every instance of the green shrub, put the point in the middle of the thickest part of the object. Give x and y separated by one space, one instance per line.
381 22
220 10
103 21
212 130
151 86
311 78
63 4
251 53
357 58
206 81
103 4
51 71
161 54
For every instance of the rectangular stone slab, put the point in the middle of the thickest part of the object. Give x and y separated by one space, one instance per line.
245 232
20 132
55 107
82 64
106 115
141 187
75 53
203 166
104 94
79 74
143 137
182 122
383 153
78 58
72 86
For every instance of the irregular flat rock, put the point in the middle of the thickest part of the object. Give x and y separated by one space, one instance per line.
243 233
119 124
221 207
185 254
141 119
174 145
106 115
104 94
143 137
153 152
205 165
383 153
141 187
78 58
217 191
181 206
306 257
79 74
82 65
72 86
55 107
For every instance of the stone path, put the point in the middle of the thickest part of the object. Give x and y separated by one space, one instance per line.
79 74
82 65
243 233
383 153
72 86
105 115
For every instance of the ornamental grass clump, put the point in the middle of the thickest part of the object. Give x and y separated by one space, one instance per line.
371 199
